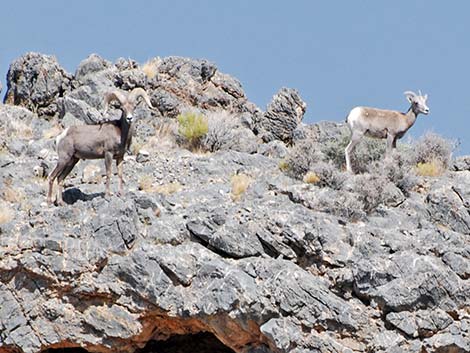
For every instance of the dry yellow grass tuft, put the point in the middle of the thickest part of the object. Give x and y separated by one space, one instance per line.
240 183
283 165
150 68
311 178
6 213
20 129
168 189
52 132
145 183
430 169
11 194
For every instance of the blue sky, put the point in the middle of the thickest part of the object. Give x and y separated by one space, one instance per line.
338 54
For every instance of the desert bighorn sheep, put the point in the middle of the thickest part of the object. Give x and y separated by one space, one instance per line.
108 140
379 123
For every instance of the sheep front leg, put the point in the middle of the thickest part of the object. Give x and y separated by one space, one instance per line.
355 138
108 163
391 143
119 165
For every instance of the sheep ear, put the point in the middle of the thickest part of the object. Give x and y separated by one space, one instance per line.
425 97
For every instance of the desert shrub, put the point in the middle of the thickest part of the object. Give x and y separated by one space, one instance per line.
432 148
369 189
240 183
192 127
333 149
221 132
344 205
301 158
366 151
397 168
328 175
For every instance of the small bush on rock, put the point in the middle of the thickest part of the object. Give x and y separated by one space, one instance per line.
192 127
397 168
328 175
434 149
301 158
343 205
221 132
370 190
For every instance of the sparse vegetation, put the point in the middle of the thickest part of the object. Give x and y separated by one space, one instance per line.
145 183
433 168
311 178
220 134
12 194
240 183
168 189
301 158
434 149
150 68
369 189
20 129
342 205
6 213
283 165
192 127
52 132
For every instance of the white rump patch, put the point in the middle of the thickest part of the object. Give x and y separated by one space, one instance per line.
60 137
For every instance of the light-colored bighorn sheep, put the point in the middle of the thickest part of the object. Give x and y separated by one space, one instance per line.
382 124
109 140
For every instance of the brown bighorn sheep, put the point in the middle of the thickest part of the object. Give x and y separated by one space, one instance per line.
108 140
382 124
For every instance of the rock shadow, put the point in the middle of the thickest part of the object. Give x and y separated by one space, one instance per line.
203 342
72 195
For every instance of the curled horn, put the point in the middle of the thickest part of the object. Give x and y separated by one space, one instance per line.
113 95
139 92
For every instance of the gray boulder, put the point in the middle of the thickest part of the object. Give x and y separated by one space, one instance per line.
35 81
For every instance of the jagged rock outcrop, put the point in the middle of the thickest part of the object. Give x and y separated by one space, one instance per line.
282 266
36 81
283 116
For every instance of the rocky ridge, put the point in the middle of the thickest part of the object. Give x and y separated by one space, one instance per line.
272 270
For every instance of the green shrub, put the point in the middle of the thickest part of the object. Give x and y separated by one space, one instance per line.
192 127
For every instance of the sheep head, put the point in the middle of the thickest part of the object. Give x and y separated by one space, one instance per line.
128 101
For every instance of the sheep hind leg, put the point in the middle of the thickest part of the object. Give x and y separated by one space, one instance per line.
119 162
355 138
61 178
57 170
108 163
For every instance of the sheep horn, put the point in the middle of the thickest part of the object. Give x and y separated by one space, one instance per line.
113 95
139 92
